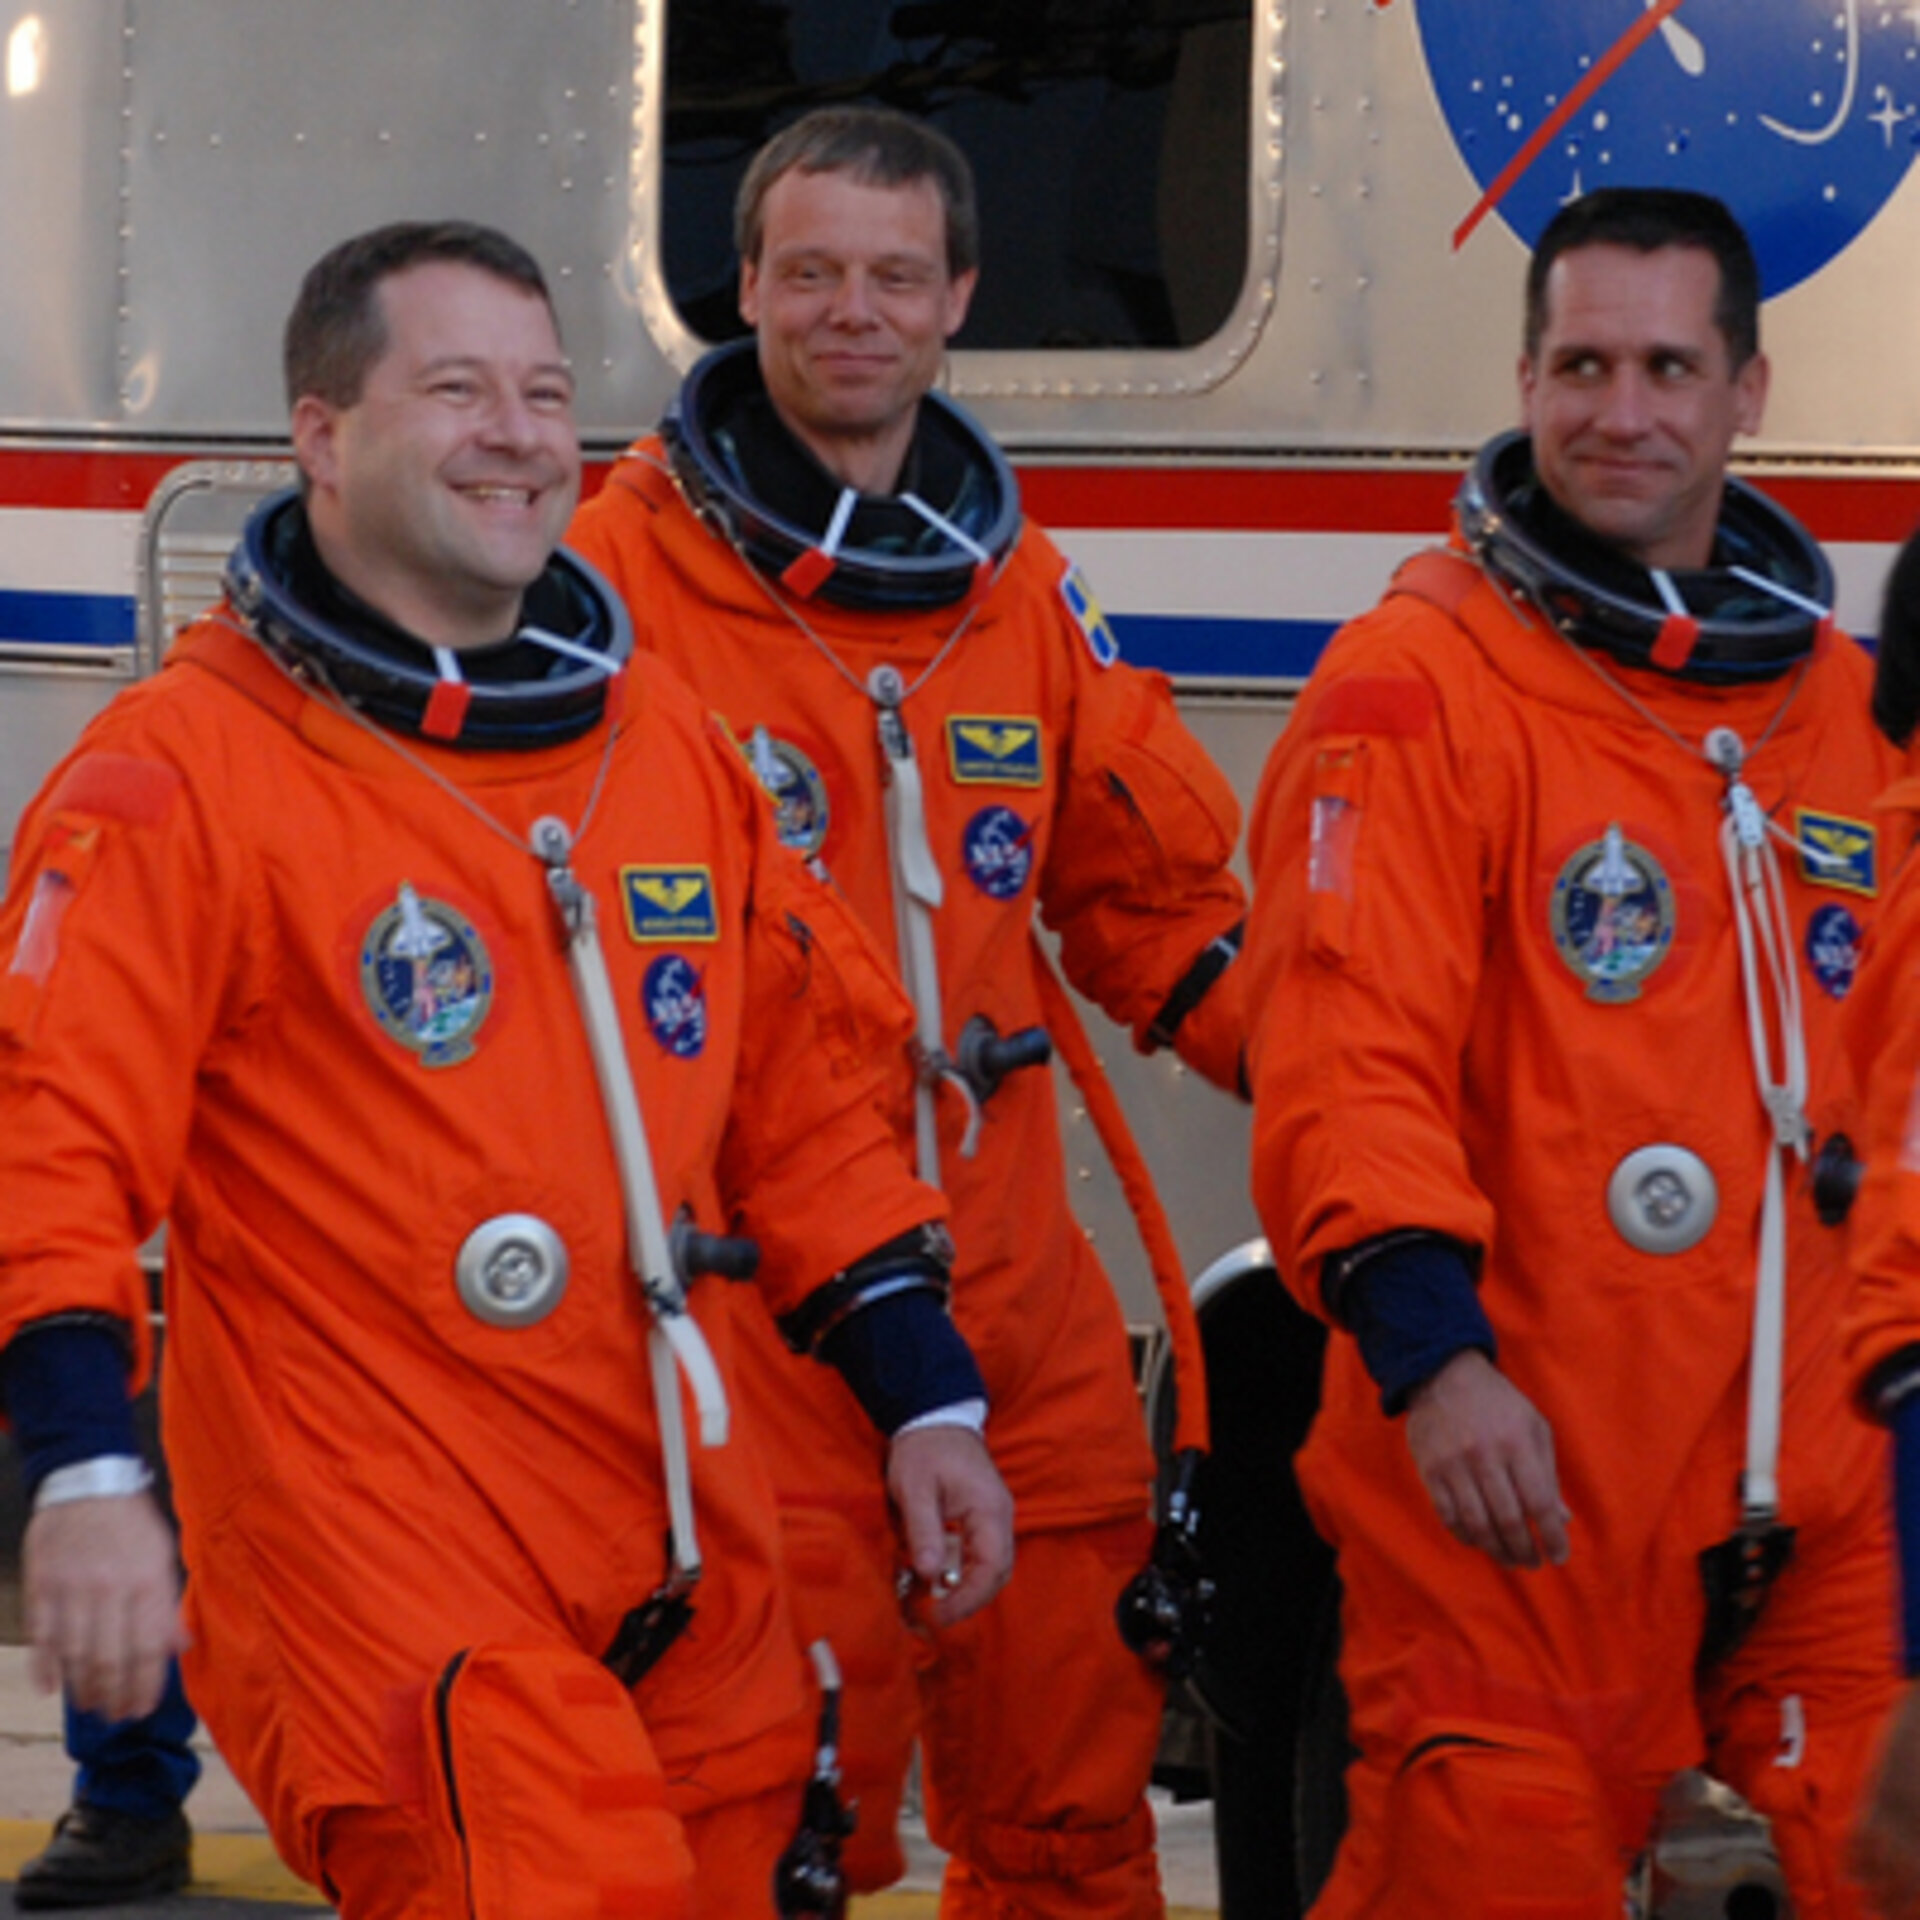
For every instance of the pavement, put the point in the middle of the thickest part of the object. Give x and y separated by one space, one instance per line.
237 1875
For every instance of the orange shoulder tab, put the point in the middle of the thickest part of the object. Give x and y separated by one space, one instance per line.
643 472
1442 576
242 662
1453 583
116 786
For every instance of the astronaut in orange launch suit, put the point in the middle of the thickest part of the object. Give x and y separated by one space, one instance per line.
835 557
431 967
1882 1039
1561 871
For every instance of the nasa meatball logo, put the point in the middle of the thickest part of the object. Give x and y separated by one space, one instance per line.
1613 916
998 851
1802 118
1833 949
674 997
426 977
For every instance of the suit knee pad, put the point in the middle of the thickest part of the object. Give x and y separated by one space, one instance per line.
545 1792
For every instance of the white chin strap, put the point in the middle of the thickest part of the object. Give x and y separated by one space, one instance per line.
917 892
675 1342
1772 985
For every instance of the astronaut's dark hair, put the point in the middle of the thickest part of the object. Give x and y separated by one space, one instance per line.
1896 667
336 330
879 148
1646 219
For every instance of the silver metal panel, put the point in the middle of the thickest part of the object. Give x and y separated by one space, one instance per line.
41 712
1093 383
260 132
191 525
1379 335
1362 329
60 211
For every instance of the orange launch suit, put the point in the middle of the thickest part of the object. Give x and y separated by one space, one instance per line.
1883 1045
410 1533
1426 1055
1053 783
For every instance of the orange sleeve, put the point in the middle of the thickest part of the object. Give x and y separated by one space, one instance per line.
1363 955
112 990
1882 1038
1137 884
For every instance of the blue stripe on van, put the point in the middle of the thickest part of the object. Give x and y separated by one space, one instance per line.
1206 648
1194 647
66 619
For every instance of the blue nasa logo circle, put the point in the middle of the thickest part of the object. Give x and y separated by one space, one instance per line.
998 850
674 998
1801 117
1833 948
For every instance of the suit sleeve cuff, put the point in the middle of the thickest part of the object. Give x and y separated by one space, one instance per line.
1906 1517
64 1382
1410 1301
903 1358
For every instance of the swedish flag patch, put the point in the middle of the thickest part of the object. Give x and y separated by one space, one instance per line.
669 903
994 750
1088 617
1837 852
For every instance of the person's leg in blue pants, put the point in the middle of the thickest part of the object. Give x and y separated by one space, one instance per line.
145 1768
125 1837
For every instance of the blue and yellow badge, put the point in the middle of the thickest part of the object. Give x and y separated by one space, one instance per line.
792 782
1613 916
1088 617
674 998
997 850
1833 947
1836 851
994 750
426 977
669 903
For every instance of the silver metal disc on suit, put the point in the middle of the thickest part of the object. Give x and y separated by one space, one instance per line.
512 1270
1663 1199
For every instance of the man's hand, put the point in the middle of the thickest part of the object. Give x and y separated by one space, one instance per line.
102 1603
1486 1458
955 1514
1886 1842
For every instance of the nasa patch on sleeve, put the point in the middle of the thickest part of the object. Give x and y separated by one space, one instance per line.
997 852
1833 948
673 997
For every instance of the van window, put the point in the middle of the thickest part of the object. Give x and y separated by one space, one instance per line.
1108 139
